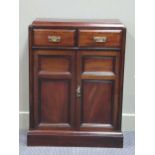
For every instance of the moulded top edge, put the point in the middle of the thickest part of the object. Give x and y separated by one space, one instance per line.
77 22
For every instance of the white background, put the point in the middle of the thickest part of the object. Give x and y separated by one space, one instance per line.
145 77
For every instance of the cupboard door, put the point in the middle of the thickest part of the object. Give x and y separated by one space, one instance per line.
97 92
54 89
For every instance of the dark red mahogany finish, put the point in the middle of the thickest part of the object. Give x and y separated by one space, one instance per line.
76 82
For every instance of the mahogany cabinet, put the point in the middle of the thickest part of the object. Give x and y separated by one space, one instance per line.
76 82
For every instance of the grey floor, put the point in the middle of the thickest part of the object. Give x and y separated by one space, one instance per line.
128 149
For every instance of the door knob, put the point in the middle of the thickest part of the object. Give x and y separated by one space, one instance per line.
78 91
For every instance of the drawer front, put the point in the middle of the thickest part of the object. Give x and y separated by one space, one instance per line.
52 37
100 38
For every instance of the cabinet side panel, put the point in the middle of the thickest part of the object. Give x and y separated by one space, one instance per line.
122 61
31 80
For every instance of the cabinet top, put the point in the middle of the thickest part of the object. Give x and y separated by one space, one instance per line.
77 22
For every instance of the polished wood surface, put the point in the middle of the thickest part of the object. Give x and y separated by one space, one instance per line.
103 23
41 37
113 38
99 86
75 138
55 102
97 101
98 64
54 64
53 88
76 84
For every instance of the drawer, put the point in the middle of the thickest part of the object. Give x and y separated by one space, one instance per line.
53 37
100 38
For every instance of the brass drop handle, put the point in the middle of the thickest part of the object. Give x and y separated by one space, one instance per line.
78 91
54 39
99 39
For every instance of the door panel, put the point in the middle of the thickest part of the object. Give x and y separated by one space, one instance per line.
54 63
98 64
54 101
98 79
54 88
97 101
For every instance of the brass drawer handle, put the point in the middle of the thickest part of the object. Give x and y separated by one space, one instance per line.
54 39
98 39
78 91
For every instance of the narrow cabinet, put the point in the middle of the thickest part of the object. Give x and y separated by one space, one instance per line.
76 82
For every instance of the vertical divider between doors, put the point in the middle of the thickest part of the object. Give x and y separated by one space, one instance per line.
73 88
78 83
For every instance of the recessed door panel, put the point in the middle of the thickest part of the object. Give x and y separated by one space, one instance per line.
54 63
98 64
97 101
55 101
